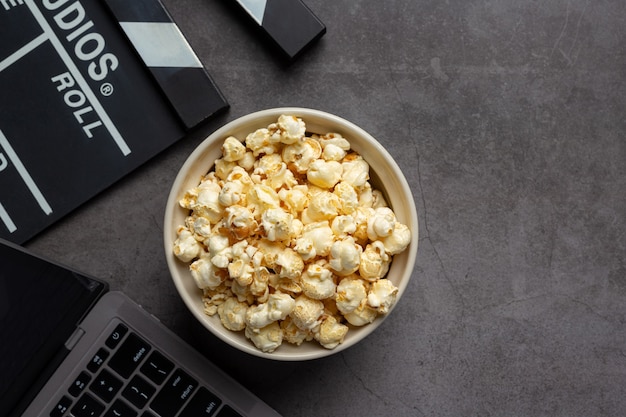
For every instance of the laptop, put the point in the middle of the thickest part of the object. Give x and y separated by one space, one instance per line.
71 347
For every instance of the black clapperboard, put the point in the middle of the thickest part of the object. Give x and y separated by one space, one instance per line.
89 90
289 25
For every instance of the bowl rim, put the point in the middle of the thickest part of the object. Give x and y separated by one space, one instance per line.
219 135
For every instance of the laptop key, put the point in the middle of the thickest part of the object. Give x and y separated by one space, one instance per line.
87 406
129 355
116 336
120 409
138 391
79 384
157 367
174 393
106 385
98 359
61 408
203 404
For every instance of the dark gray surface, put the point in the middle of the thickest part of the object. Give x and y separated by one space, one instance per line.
508 119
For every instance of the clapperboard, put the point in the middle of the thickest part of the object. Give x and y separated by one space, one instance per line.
89 90
289 25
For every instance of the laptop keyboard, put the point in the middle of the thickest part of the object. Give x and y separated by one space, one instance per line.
127 377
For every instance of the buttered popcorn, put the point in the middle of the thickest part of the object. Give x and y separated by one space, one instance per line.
287 238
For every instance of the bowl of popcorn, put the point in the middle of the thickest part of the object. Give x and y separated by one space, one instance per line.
290 233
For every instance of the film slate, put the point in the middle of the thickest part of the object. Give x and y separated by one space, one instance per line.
86 98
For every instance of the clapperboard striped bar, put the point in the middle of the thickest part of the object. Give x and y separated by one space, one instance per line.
290 24
168 56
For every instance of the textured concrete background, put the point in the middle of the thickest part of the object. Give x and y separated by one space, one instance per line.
508 118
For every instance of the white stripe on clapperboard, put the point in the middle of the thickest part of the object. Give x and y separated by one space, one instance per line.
256 8
10 3
161 44
78 77
6 219
28 180
23 51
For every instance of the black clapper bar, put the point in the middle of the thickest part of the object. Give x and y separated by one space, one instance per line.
170 59
289 24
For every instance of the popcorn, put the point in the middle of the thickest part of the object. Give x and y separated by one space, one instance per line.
287 239
189 199
281 178
316 240
345 256
205 274
335 147
306 248
233 150
366 196
223 168
233 314
324 174
301 155
348 197
241 268
286 285
355 171
331 333
247 161
307 313
292 333
201 227
381 223
277 224
374 262
360 217
219 250
262 197
295 198
369 197
336 141
267 339
323 205
398 240
382 296
317 282
186 247
290 264
240 174
239 222
292 129
362 315
213 298
260 284
243 293
277 307
232 193
207 201
268 165
241 272
378 199
333 152
259 142
351 292
343 225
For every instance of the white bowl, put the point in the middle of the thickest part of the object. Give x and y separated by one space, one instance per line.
394 186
